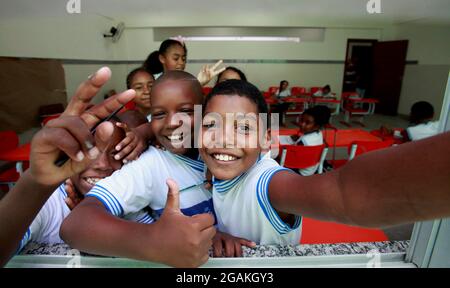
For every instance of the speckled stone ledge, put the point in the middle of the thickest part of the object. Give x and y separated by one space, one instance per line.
261 251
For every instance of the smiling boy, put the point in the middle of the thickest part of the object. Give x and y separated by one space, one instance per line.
255 198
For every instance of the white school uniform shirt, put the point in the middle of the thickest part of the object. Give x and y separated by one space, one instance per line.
142 183
243 207
422 131
310 139
45 227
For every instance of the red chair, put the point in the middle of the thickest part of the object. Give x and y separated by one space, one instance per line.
272 90
9 141
315 89
361 147
301 157
206 90
297 91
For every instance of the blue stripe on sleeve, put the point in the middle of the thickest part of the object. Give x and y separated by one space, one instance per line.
262 192
26 238
108 200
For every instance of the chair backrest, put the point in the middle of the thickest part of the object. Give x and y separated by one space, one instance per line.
361 147
273 89
206 90
315 89
301 157
297 90
8 140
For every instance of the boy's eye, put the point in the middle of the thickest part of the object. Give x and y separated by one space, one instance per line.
157 115
187 110
243 128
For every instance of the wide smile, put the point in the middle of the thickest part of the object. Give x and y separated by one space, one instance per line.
224 158
175 137
92 180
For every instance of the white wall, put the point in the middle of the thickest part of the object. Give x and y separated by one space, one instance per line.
430 45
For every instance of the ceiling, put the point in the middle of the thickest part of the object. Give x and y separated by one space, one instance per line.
238 12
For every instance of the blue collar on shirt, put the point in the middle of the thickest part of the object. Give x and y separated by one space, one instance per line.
223 186
194 164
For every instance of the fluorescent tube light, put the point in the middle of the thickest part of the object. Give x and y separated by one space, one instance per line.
239 38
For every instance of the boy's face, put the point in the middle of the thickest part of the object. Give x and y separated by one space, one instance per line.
142 84
174 58
103 166
229 148
172 109
307 123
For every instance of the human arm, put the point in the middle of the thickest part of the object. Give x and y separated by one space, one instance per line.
207 73
402 184
68 133
175 239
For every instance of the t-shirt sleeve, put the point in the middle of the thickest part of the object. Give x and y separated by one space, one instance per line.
262 193
127 190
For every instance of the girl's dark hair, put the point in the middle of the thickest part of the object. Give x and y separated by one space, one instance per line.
240 88
133 73
234 69
421 111
281 84
320 113
152 63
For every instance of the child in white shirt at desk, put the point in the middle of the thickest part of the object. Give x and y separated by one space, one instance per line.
311 123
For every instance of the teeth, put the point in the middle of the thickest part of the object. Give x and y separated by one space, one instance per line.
224 157
93 181
175 137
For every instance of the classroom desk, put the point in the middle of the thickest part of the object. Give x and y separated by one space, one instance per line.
18 155
328 102
346 137
353 102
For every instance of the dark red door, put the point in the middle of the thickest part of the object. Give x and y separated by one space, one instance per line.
388 69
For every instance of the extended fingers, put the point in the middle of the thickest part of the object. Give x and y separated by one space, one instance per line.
86 91
107 107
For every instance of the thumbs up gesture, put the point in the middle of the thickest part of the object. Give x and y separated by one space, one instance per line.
185 240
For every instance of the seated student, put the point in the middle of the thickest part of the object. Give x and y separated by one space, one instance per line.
172 55
311 123
324 92
281 108
143 183
141 81
231 72
46 225
420 118
256 199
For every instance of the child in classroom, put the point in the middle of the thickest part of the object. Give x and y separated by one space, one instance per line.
420 118
325 92
141 81
172 55
311 123
45 227
259 200
420 121
231 72
144 183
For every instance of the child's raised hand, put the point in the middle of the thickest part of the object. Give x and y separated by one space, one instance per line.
71 134
73 196
207 73
186 239
226 245
131 146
